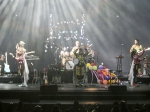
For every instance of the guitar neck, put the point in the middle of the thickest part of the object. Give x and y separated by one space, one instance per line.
6 59
29 52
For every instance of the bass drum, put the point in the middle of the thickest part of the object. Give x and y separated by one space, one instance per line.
69 65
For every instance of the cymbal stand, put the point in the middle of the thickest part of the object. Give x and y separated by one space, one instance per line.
55 55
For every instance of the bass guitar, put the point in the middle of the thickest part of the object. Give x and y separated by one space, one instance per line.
134 51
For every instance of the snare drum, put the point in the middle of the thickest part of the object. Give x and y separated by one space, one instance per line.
69 65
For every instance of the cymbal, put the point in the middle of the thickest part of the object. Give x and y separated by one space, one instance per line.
58 47
119 57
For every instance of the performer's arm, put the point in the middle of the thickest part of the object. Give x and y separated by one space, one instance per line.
131 49
86 52
141 53
141 47
75 52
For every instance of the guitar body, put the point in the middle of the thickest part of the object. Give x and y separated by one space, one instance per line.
6 68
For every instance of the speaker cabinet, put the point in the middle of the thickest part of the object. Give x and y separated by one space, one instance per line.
118 88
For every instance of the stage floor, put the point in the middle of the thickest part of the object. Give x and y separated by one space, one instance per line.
72 87
69 87
89 93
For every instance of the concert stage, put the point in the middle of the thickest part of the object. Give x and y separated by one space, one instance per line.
67 93
89 91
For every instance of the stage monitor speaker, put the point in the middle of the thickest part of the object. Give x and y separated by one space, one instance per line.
118 88
29 97
48 88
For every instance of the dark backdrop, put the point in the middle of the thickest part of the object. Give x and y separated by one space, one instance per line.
109 25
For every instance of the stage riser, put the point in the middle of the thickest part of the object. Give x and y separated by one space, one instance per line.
23 96
37 96
86 98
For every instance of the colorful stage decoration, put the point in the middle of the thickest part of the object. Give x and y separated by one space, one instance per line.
102 74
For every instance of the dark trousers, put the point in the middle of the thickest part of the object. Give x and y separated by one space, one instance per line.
21 71
135 69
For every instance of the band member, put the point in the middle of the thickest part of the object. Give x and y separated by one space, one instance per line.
22 64
80 68
135 47
135 66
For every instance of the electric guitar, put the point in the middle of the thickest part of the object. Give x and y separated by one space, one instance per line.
134 51
6 68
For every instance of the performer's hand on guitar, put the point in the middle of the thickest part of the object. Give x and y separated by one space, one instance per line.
12 55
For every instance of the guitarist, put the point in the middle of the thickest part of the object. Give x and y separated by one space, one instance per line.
137 59
135 47
22 64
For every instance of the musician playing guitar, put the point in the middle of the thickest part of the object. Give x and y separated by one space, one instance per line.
22 64
135 47
137 58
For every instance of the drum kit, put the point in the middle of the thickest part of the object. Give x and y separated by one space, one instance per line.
68 59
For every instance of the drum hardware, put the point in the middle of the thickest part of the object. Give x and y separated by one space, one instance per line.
58 47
